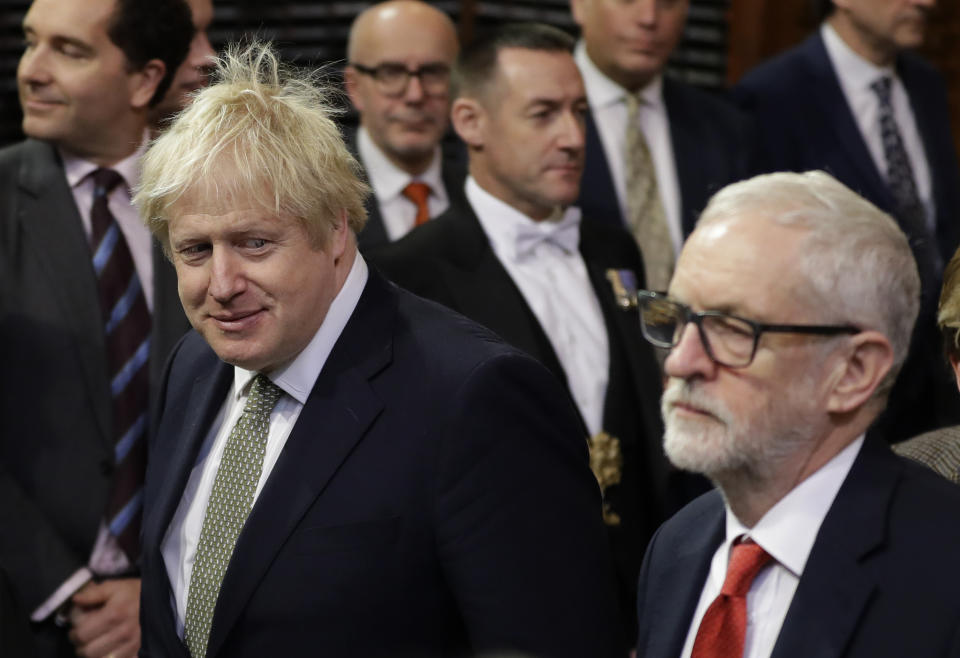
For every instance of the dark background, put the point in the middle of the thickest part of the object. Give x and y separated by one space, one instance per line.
722 40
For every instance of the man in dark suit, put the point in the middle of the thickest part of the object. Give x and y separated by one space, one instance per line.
73 409
789 316
518 260
824 105
683 143
398 79
342 468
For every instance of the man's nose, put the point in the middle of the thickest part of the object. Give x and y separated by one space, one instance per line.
689 357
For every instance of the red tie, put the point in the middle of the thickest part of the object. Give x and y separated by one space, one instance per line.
418 193
724 626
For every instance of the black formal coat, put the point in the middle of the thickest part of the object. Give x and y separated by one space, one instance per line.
56 437
433 499
876 584
804 123
450 260
453 171
713 146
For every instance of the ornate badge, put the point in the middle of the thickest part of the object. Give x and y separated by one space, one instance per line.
624 286
606 462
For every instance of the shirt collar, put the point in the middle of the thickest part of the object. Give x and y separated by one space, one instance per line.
502 222
298 377
789 529
604 92
855 71
77 169
388 180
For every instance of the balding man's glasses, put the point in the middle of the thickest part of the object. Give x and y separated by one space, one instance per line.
729 340
392 78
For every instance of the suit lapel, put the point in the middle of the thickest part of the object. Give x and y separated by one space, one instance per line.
483 291
203 402
837 581
683 575
340 409
47 213
839 120
687 146
598 197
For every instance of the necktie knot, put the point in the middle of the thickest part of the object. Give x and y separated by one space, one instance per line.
418 192
263 396
881 87
104 180
564 234
746 561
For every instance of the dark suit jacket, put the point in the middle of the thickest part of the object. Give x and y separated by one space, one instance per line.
713 145
450 260
874 585
433 499
453 170
56 445
804 123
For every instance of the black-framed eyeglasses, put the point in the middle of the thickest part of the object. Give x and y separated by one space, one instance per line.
392 78
729 340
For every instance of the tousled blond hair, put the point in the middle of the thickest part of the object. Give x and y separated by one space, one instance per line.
261 132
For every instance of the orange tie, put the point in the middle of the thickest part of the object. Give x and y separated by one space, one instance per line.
418 193
724 626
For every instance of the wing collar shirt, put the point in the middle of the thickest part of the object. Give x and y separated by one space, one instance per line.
856 74
296 380
553 280
107 557
388 181
787 532
609 108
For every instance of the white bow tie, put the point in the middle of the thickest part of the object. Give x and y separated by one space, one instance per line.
564 234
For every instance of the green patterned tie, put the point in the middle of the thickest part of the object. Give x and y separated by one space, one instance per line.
227 510
647 219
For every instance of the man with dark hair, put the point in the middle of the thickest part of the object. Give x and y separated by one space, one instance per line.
854 101
398 78
519 260
656 147
193 72
88 311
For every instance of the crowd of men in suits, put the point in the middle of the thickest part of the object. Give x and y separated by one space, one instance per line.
614 310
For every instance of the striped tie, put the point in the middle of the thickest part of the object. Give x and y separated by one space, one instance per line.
127 333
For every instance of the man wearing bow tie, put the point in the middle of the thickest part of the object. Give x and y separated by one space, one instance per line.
520 261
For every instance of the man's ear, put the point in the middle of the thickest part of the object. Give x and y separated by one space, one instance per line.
859 373
350 83
338 237
144 83
576 9
469 119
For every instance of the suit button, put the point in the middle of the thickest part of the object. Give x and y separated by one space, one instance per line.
106 467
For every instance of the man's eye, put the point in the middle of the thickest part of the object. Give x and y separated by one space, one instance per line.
255 243
194 251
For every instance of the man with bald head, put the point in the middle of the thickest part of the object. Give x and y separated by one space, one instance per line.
398 78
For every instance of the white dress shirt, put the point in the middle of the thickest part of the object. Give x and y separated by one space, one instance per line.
556 286
856 74
388 181
609 107
296 380
106 557
787 532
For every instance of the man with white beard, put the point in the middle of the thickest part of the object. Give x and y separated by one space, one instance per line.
788 318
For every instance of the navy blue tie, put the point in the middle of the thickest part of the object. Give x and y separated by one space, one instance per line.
126 322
